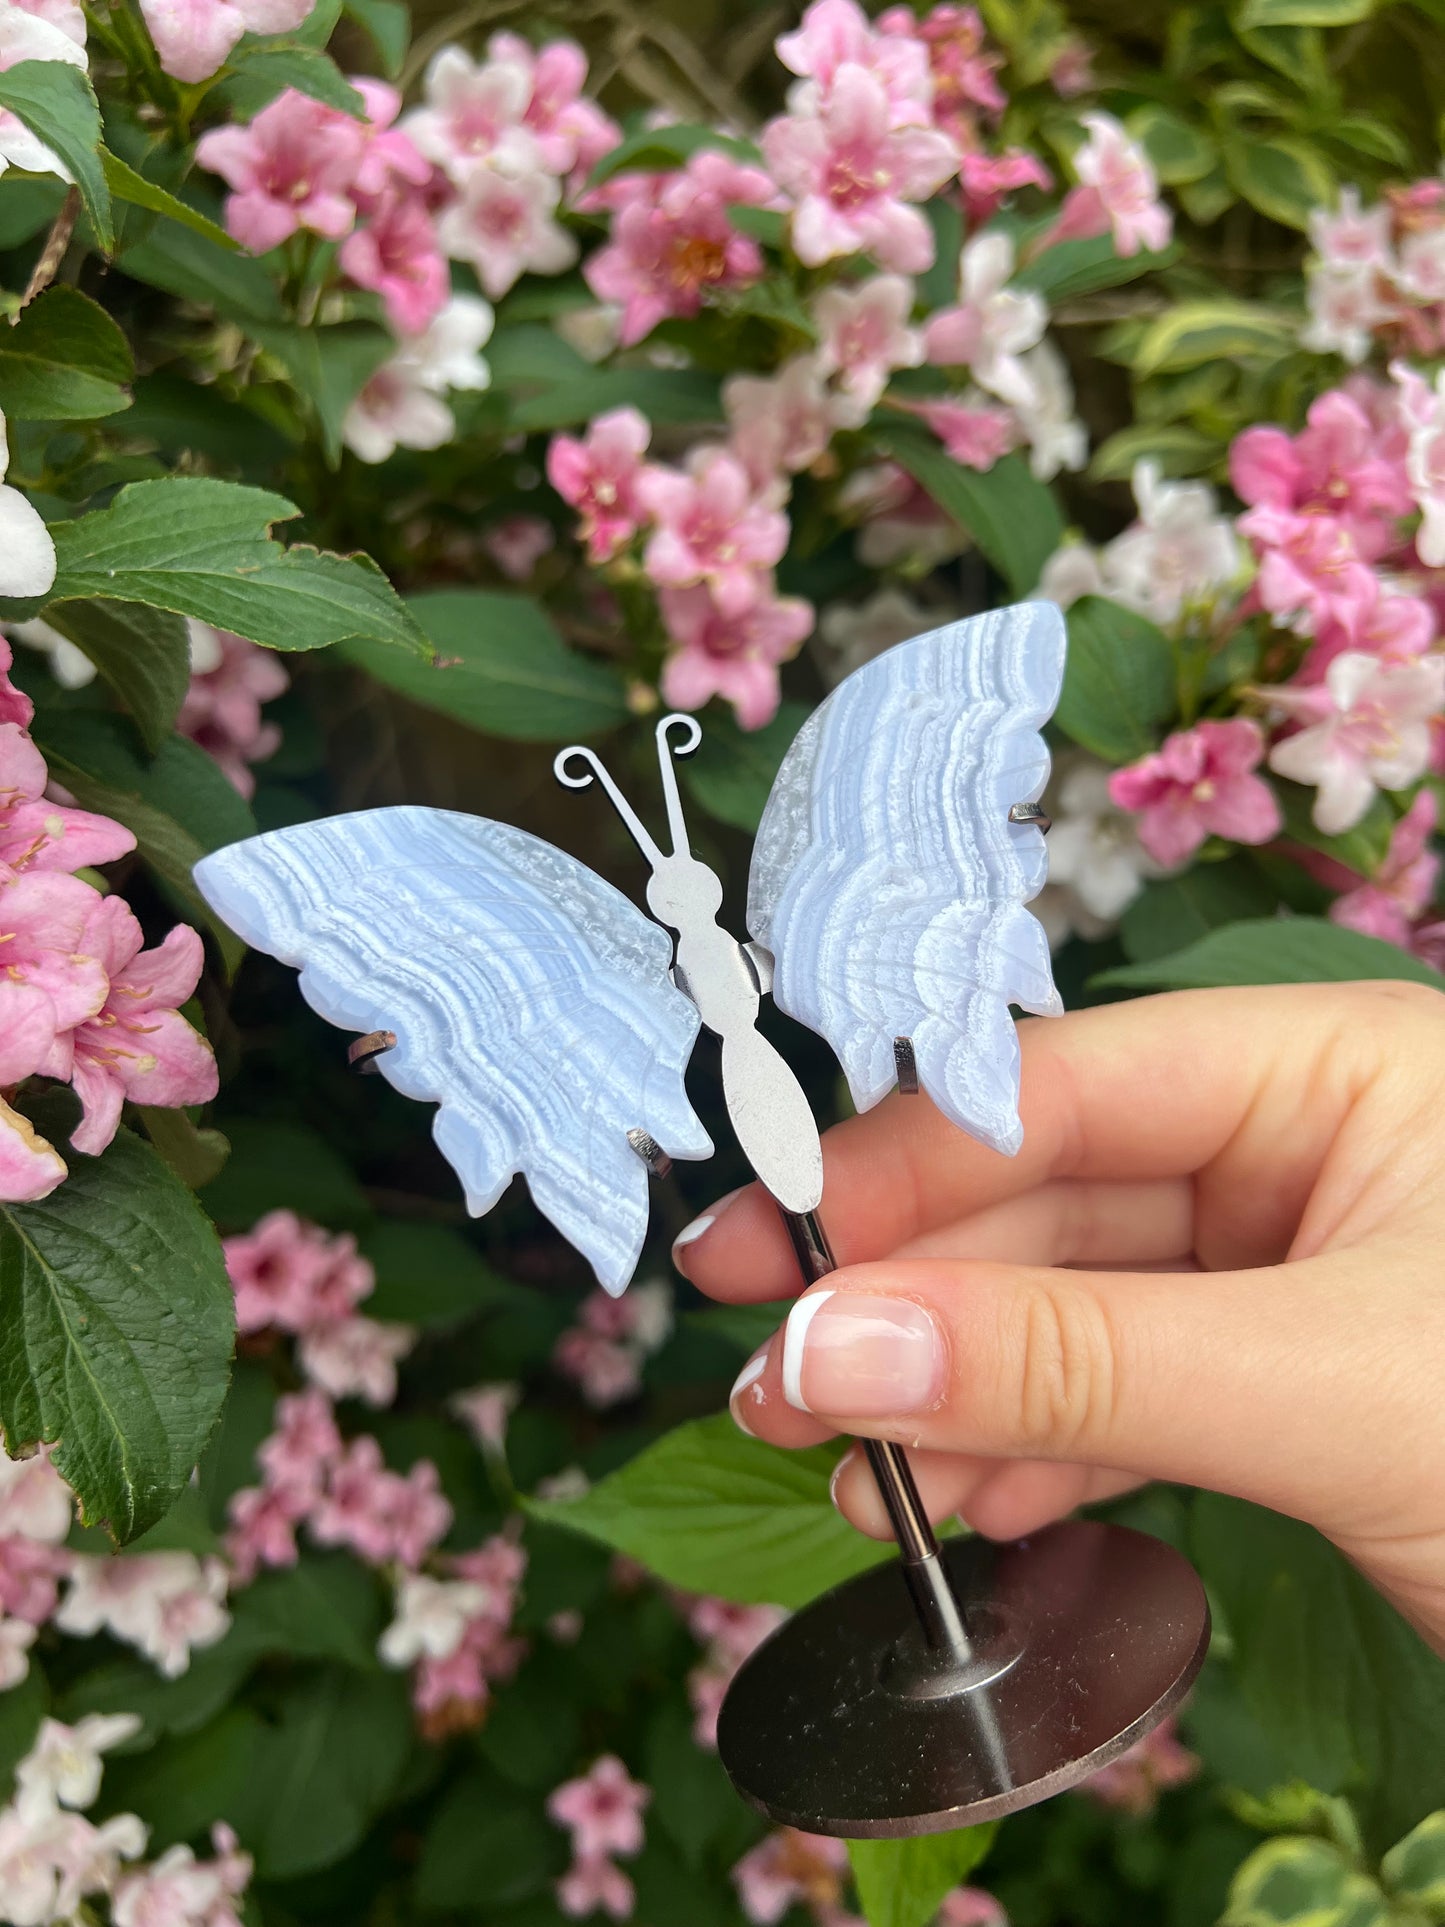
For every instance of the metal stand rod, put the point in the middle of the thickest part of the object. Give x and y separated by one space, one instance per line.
939 1613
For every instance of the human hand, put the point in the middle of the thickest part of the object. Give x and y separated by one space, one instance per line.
1219 1259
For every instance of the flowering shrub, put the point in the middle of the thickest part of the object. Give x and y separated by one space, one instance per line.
380 414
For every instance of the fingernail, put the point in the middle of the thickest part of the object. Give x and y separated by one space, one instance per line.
749 1375
852 1355
690 1234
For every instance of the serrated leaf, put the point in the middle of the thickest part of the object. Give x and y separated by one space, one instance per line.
116 1326
204 548
716 1512
1195 332
1268 950
731 772
1012 517
901 1883
127 185
1285 179
64 360
57 103
144 655
1120 681
658 150
502 668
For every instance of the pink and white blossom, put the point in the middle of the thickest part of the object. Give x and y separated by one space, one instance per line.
864 333
292 168
1422 409
784 422
504 223
1201 782
64 1765
485 1411
396 253
732 656
593 1883
1389 904
786 1868
602 1810
712 527
401 406
431 1618
993 325
193 37
1334 467
355 1357
231 679
974 431
165 1604
1118 192
1365 727
27 552
599 476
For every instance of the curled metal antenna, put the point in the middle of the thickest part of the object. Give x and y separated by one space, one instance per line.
593 768
667 750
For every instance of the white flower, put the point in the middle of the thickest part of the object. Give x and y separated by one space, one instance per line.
1071 573
1349 236
1054 432
204 646
27 554
651 1308
432 1616
178 1891
26 36
401 405
1096 865
63 1767
1422 409
1181 549
484 1410
70 666
355 1357
163 1603
592 332
35 1502
17 1636
992 325
570 1483
1344 310
851 634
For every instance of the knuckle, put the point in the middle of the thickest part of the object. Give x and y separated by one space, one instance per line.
1066 1368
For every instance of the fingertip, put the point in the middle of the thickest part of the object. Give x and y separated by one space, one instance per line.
759 1409
737 1250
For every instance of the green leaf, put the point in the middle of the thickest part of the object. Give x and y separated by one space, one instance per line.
1013 518
1180 910
259 72
1299 1882
731 772
502 668
204 548
327 1606
196 268
183 418
1070 269
1120 684
22 1708
330 1764
57 103
1177 149
1302 13
116 1321
330 366
486 1838
64 360
429 1275
1286 179
388 24
277 1164
1269 950
1361 849
126 184
1353 1697
196 1156
165 1706
1177 448
1195 332
714 1511
28 206
658 150
188 1781
142 653
1414 1869
901 1883
665 395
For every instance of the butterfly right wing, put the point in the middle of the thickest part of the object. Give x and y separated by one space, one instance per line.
530 1000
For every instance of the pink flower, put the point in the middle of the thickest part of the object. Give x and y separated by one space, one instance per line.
162 1603
193 37
485 1411
53 979
505 225
1391 902
602 1810
1423 411
230 679
788 1867
1157 1762
591 1882
35 1502
391 158
992 325
964 87
39 835
137 1045
975 432
864 334
1388 625
1332 468
572 134
376 1512
1309 572
606 1372
1118 189
355 1357
262 1530
396 255
971 1907
294 1275
1349 236
837 33
303 1447
1366 727
712 529
599 476
735 657
989 179
292 168
781 422
29 1572
1199 783
673 242
851 173
517 544
475 112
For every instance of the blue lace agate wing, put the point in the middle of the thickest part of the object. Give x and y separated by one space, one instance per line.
887 879
530 1000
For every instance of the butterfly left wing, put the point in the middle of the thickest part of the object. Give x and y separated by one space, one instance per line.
530 1000
888 880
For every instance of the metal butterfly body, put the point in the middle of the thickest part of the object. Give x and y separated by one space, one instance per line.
552 1022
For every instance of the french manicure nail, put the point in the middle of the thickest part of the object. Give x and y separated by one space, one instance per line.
749 1375
690 1234
853 1355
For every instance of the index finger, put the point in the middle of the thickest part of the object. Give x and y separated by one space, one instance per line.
1201 1083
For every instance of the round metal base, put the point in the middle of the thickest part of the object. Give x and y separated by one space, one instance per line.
844 1722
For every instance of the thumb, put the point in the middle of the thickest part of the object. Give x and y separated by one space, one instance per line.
1266 1383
